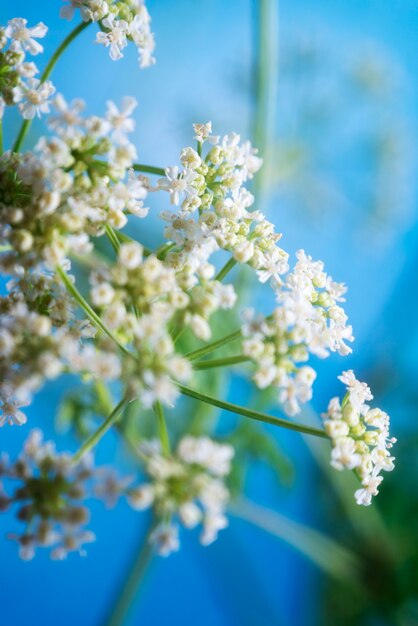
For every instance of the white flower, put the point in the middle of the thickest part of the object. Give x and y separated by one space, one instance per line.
203 132
344 454
165 539
142 497
190 514
24 37
178 183
360 437
114 37
67 116
120 120
131 254
140 31
93 10
33 97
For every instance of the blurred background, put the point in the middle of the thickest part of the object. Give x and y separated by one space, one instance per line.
339 132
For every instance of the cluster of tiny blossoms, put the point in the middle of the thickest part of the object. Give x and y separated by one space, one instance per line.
79 184
75 183
49 490
40 338
308 320
360 437
120 21
18 82
188 486
215 205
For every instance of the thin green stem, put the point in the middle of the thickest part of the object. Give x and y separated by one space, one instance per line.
90 313
229 265
101 431
330 556
211 347
265 71
1 137
230 360
162 428
46 74
161 252
266 55
129 589
256 415
113 238
148 169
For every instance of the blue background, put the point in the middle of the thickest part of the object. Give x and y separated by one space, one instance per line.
327 206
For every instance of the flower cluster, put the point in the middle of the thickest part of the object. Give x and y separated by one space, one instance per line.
40 339
308 320
188 485
215 204
360 437
18 82
80 183
49 492
120 21
54 200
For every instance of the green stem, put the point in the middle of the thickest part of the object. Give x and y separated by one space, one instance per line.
101 431
162 428
46 74
266 54
149 169
113 238
226 269
256 415
330 556
211 347
162 251
129 590
230 360
90 313
1 137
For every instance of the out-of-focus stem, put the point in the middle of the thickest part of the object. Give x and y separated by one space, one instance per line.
162 428
265 73
101 431
130 587
229 360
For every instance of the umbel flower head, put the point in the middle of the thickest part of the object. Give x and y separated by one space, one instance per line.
18 84
360 437
121 22
81 183
187 486
49 491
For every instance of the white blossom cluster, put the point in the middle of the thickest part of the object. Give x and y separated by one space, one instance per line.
120 21
187 486
18 82
214 205
49 490
79 184
76 182
41 339
360 437
308 321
